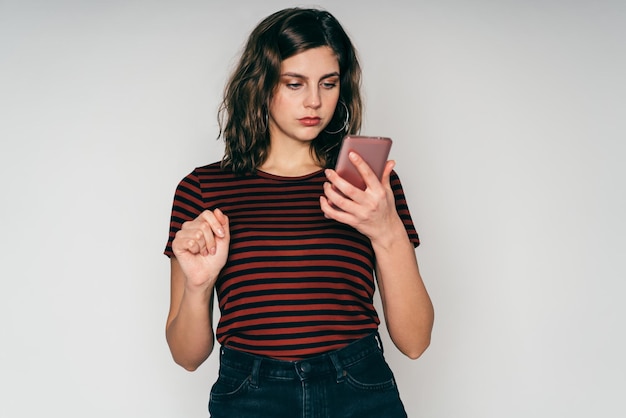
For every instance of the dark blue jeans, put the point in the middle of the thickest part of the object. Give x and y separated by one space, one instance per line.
354 381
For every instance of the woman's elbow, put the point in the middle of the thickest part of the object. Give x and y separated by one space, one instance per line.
415 351
191 365
189 360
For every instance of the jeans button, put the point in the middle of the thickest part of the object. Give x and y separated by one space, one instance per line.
305 367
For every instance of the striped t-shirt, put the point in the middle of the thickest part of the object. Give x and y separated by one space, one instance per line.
295 284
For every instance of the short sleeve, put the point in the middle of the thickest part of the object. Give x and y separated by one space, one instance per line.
403 209
188 204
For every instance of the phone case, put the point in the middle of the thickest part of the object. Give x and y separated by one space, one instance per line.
373 149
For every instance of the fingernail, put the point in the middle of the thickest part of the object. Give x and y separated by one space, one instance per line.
212 250
353 156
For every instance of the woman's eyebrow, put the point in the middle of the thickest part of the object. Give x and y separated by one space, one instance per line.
296 75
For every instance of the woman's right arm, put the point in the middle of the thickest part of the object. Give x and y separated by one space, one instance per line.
200 251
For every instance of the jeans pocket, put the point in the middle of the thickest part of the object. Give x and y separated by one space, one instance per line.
230 383
370 374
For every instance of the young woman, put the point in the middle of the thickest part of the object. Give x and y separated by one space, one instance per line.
290 248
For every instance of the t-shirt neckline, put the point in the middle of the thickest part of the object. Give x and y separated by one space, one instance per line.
276 177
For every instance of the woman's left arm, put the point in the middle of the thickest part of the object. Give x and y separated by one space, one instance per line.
407 307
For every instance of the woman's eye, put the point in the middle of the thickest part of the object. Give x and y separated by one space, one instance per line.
294 86
329 85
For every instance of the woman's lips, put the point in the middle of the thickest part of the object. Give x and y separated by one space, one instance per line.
309 121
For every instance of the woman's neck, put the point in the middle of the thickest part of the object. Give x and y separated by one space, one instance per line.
290 162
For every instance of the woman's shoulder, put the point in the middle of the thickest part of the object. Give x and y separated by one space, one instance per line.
203 174
214 167
214 175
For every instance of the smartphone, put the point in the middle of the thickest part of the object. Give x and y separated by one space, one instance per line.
373 149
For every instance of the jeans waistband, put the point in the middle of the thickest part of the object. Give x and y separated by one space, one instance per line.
331 362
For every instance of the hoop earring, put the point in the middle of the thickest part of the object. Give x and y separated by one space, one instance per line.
345 123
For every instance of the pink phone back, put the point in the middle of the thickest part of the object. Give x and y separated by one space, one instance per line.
374 150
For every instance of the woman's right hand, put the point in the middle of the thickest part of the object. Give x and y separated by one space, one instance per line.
201 248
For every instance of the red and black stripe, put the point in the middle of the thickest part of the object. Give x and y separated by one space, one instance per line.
295 284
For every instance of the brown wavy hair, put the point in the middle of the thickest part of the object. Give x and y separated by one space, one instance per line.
243 114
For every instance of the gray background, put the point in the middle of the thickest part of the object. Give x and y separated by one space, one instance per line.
508 119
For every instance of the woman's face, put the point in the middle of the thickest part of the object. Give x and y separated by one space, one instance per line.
304 101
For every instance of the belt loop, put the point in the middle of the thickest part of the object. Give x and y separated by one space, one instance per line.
338 366
254 375
380 342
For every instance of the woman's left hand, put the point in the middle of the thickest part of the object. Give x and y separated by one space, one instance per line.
372 211
407 307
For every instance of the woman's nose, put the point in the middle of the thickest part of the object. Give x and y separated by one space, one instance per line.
313 99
